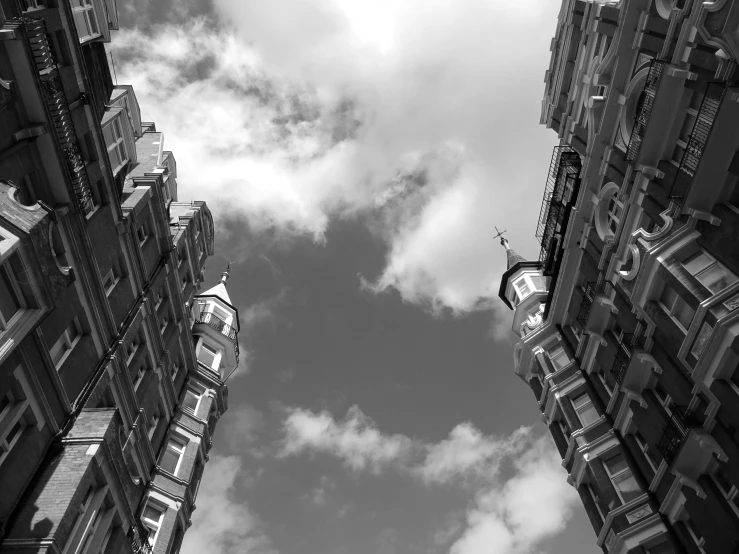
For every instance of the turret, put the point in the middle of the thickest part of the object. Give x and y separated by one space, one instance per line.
215 326
523 289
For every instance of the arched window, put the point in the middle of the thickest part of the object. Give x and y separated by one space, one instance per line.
609 212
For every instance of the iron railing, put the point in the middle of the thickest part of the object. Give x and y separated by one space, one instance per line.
626 348
564 172
590 291
644 108
697 142
675 433
138 539
56 102
212 320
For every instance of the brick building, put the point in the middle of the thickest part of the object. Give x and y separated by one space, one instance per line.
112 359
628 321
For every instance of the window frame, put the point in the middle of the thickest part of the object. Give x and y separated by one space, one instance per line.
557 353
731 496
196 394
118 145
179 446
216 355
678 303
644 447
17 294
713 263
67 342
618 477
585 407
113 277
150 524
86 8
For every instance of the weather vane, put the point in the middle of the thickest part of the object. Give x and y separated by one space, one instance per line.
500 233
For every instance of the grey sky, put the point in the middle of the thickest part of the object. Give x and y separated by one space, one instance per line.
356 156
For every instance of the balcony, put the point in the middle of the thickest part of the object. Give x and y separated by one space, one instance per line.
138 539
58 109
560 194
215 322
596 307
697 142
621 362
687 446
644 106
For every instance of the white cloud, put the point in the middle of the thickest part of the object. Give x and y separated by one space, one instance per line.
506 516
513 517
288 113
222 524
356 441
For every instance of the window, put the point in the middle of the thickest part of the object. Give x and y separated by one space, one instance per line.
585 410
613 214
110 280
623 480
142 233
191 401
663 398
604 380
152 520
32 5
140 374
695 534
92 524
576 329
595 501
172 456
12 297
115 144
563 428
676 307
185 280
158 297
728 490
163 324
522 288
207 356
65 343
156 416
691 114
558 357
175 369
85 19
644 447
131 349
711 274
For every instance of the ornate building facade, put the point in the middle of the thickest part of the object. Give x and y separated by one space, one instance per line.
112 359
629 320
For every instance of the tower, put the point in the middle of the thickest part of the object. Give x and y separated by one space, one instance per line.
523 289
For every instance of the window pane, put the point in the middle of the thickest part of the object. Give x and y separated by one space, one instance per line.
15 431
559 358
580 400
716 278
627 485
152 514
616 464
191 400
9 303
169 459
207 355
668 297
697 263
588 415
683 313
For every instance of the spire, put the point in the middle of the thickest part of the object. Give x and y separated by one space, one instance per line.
226 273
220 289
513 258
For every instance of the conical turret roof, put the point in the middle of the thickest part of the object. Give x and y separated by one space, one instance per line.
513 257
220 289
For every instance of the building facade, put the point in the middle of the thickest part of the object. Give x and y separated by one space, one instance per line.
628 321
112 357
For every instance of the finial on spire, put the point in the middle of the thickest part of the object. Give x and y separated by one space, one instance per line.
503 240
225 275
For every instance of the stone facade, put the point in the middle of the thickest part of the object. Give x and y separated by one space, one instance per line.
106 411
631 346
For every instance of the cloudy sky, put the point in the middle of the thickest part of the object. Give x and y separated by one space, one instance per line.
357 156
